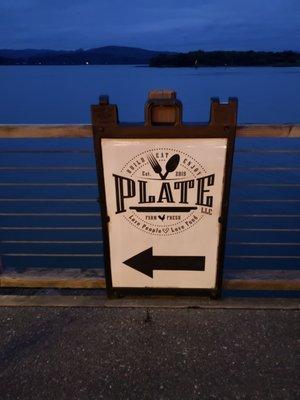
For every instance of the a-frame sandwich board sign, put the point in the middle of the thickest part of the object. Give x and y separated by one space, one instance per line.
164 192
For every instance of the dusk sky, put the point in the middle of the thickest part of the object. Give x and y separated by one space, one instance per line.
176 25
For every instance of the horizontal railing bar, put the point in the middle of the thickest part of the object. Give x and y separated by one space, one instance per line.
45 131
264 256
279 130
240 184
262 243
263 151
93 168
47 151
92 278
101 255
38 168
51 241
265 229
266 200
50 214
76 151
264 215
92 200
97 214
20 275
267 168
51 255
64 268
49 200
47 184
85 130
243 184
100 242
58 228
99 227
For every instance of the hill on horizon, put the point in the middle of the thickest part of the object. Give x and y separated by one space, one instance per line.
98 55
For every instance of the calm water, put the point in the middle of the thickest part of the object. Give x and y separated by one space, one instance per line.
59 94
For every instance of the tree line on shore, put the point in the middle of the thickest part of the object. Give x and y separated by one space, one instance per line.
227 58
131 55
96 56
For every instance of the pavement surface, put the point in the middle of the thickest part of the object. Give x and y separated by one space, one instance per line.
148 353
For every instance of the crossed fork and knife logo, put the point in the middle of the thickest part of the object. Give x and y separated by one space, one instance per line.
171 165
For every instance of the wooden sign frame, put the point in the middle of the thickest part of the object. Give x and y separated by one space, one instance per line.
163 119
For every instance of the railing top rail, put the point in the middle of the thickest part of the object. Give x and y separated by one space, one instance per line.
85 130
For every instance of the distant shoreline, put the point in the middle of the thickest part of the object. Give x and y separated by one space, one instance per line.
120 55
150 66
227 59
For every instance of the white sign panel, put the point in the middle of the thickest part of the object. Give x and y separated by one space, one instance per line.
164 199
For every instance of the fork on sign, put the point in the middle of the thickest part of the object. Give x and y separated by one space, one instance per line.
155 165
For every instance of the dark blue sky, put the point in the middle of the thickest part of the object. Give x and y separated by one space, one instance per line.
162 25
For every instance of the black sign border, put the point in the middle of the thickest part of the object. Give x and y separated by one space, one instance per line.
222 125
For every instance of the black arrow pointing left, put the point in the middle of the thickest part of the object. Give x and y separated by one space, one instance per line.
145 262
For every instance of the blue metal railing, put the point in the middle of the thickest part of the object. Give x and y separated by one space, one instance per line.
49 215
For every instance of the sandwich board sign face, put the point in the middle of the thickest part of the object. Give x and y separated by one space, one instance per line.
164 205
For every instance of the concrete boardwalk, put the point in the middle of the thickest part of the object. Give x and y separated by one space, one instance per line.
149 352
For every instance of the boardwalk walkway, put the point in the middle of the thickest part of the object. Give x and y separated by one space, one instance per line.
243 350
